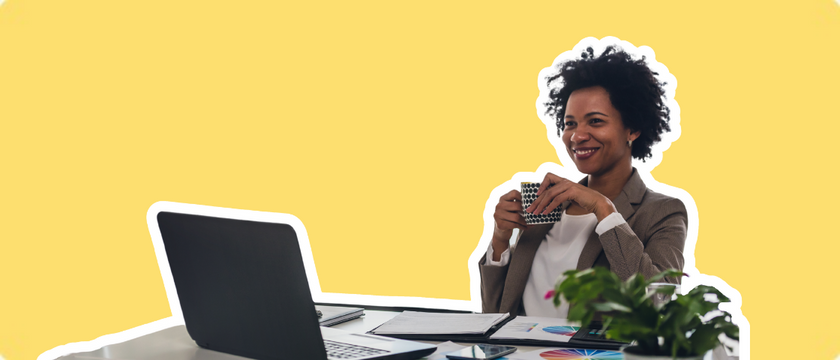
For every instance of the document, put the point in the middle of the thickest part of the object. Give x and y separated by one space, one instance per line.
412 322
537 328
567 353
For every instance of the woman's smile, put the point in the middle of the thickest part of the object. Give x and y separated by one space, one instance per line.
583 153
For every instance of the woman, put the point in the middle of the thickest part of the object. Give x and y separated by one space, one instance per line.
609 109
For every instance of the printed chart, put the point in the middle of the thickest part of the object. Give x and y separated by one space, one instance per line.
537 328
561 330
581 354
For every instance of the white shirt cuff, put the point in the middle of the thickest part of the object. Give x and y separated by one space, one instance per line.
503 260
609 222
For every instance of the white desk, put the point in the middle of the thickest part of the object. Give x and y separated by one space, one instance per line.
175 343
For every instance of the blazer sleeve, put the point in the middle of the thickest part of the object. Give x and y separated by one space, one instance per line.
660 249
492 285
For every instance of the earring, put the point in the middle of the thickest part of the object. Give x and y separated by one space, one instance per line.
630 143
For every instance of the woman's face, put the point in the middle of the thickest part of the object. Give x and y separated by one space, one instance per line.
595 135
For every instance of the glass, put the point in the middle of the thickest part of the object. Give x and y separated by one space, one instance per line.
662 299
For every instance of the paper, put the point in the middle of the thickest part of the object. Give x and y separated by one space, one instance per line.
538 328
412 322
567 354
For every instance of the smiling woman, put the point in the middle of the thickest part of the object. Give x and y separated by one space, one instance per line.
608 109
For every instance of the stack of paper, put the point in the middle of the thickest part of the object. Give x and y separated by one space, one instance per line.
417 323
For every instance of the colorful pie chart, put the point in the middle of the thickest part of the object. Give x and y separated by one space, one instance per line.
581 354
561 330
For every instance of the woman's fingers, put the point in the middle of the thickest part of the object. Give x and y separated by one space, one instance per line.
555 190
557 194
512 201
510 206
510 220
548 180
547 195
508 214
556 202
513 195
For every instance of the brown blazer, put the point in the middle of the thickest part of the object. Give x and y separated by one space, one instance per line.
651 241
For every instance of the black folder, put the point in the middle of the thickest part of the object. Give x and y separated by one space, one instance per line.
590 337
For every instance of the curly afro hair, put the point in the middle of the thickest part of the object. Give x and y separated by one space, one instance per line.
632 86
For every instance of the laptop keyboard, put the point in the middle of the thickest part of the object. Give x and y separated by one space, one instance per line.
338 350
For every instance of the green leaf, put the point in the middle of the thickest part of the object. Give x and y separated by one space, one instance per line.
731 331
705 338
614 295
578 312
674 273
610 306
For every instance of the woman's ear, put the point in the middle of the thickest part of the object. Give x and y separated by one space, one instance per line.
634 135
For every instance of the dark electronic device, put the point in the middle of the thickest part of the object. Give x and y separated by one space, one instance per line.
594 337
243 290
481 352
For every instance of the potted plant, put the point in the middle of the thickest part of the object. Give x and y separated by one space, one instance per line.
674 329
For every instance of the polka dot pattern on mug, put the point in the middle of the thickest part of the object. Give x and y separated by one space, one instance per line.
529 194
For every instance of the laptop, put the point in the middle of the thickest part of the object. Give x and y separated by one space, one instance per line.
243 290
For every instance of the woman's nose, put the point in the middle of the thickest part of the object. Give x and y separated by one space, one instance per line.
580 135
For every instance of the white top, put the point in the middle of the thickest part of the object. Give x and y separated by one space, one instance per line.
557 253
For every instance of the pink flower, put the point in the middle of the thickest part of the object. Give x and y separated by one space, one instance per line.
549 294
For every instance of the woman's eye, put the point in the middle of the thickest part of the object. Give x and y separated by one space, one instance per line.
595 121
570 123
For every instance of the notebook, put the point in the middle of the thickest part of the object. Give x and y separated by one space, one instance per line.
412 325
243 290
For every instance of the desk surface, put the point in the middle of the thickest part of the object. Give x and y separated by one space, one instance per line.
175 343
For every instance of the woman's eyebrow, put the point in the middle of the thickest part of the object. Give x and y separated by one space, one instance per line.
588 115
596 113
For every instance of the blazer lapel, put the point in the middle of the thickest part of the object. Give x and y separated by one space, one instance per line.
590 252
520 266
631 194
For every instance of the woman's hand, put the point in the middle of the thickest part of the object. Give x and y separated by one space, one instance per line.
508 216
562 190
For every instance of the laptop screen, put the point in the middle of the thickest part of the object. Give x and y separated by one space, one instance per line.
242 286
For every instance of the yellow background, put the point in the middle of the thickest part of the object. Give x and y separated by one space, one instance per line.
384 126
